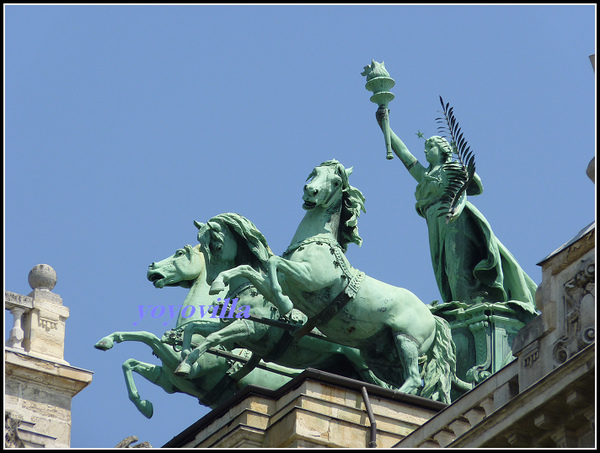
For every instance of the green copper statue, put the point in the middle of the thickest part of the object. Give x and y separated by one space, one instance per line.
399 338
227 239
487 297
469 262
214 378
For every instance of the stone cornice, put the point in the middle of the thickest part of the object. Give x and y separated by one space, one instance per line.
530 402
65 378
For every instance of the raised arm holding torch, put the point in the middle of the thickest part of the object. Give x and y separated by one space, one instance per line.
379 82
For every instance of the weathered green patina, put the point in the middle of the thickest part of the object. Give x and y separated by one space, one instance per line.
487 297
468 260
483 333
376 332
228 239
214 378
394 330
380 83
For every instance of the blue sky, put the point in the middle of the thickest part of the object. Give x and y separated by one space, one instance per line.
123 124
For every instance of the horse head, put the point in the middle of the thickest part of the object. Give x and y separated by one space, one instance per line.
328 187
180 269
232 239
325 185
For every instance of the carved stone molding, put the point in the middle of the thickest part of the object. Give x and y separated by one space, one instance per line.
579 292
47 324
11 426
565 438
531 357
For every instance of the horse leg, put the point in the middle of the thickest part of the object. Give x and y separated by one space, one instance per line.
222 280
408 350
164 352
151 372
107 342
269 288
353 355
237 330
189 331
300 273
259 281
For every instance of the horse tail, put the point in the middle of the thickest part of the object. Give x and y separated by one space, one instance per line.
439 371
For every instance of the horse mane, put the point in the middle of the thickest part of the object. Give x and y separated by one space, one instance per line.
353 201
252 245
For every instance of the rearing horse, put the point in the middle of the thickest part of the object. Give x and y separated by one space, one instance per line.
227 240
213 378
385 322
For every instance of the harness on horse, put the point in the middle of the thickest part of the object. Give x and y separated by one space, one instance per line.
174 338
233 375
346 295
281 345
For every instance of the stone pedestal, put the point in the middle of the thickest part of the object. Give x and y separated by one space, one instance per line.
483 334
315 409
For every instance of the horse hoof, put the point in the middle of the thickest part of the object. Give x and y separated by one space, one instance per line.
105 344
146 408
183 369
216 287
410 386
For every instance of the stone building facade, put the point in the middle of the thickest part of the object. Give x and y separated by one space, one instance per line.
39 382
315 409
547 397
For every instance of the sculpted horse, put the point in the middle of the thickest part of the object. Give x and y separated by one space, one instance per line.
213 378
391 326
228 240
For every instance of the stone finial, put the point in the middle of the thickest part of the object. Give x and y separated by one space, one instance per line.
42 276
44 324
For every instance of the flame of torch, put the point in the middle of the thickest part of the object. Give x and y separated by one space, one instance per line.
379 82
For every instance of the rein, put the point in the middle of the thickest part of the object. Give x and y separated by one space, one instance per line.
346 295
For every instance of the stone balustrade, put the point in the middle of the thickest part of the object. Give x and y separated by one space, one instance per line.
18 305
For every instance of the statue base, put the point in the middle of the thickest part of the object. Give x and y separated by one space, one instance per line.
483 333
315 409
